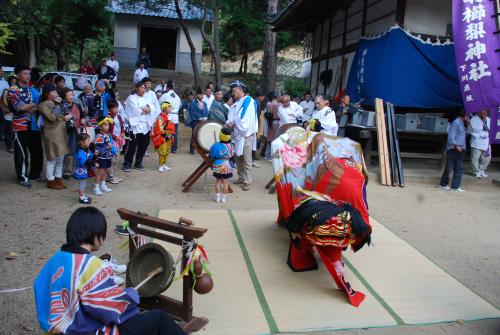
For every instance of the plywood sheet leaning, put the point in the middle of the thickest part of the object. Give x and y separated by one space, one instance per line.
383 155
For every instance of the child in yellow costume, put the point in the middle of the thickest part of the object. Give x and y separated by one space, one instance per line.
163 135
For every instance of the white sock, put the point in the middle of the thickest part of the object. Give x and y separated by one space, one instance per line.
217 196
223 197
103 183
96 186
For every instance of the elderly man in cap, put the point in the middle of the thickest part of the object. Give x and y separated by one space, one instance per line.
243 120
173 116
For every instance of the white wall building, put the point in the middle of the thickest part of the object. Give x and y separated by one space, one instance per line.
159 30
335 27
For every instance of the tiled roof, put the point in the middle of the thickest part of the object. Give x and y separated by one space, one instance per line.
166 10
278 15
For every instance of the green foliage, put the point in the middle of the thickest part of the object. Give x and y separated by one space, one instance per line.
5 36
295 87
98 47
61 26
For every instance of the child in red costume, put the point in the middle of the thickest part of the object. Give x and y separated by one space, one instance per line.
162 135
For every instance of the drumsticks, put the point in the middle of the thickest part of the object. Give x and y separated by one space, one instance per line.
149 277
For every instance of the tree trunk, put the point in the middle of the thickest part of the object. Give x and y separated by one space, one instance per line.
32 51
60 60
82 46
213 43
65 43
268 78
241 64
245 71
217 58
38 48
196 74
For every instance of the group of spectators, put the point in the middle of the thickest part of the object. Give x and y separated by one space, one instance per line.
478 127
40 114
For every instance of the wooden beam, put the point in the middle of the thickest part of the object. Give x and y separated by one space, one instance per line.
146 220
400 12
337 52
363 20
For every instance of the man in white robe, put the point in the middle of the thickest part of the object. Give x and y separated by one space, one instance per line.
243 119
307 106
208 97
326 117
152 100
289 111
138 112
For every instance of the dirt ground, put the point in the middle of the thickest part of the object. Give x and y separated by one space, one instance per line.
459 232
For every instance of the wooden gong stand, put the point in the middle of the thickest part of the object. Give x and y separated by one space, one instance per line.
158 229
200 170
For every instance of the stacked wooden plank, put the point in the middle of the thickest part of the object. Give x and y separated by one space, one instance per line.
395 153
383 154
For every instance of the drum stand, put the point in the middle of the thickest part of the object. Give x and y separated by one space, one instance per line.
200 170
157 228
270 186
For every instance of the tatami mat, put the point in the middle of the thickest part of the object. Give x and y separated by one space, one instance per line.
256 293
305 300
232 306
417 289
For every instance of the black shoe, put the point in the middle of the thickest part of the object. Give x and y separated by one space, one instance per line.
139 167
85 200
25 183
173 152
255 158
126 169
121 229
66 176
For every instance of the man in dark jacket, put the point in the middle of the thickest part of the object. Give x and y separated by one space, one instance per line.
104 71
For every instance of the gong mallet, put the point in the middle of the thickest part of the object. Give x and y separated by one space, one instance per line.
149 277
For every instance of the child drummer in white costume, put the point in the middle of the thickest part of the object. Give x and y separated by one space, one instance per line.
242 118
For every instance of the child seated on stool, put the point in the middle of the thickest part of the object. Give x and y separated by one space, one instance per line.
75 292
162 135
220 155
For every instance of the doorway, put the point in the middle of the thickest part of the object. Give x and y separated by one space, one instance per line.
161 44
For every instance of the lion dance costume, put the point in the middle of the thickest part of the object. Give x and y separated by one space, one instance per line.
321 189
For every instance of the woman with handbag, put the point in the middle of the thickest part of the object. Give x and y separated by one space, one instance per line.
55 137
69 107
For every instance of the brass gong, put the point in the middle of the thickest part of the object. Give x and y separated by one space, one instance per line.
146 259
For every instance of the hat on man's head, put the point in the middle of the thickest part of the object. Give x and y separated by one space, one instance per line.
49 87
170 84
237 83
199 90
146 80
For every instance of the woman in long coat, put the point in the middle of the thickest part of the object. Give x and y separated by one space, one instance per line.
55 138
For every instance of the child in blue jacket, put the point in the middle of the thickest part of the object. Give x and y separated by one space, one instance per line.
83 163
